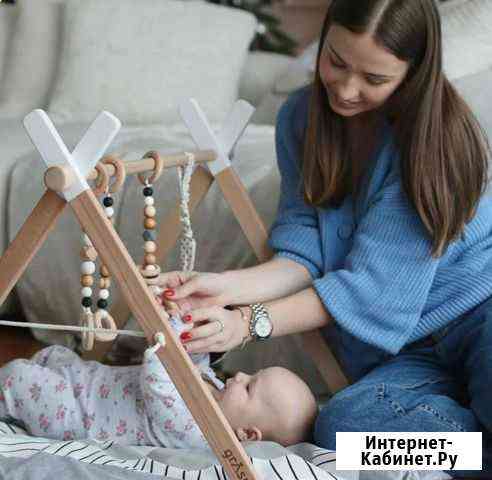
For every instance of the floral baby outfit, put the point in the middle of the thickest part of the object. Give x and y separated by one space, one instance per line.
58 395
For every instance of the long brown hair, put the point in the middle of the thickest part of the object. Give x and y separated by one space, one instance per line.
444 152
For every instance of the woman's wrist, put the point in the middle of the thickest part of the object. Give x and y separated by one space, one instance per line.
231 286
245 313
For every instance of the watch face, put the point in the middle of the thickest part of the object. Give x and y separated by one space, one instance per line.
263 327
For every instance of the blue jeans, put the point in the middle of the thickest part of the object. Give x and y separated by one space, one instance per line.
440 384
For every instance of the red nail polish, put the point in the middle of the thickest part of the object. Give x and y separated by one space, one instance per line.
169 292
185 336
187 318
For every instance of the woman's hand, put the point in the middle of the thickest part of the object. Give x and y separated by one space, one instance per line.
192 290
216 329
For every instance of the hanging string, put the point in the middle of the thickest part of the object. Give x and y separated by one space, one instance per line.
70 328
187 244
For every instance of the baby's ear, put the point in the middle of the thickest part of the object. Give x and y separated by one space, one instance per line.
252 434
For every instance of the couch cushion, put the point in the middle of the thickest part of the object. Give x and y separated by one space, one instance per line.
467 37
472 87
139 59
31 58
7 19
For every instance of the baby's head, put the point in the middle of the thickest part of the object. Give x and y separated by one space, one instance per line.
274 404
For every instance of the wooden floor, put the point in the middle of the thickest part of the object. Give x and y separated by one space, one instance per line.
17 343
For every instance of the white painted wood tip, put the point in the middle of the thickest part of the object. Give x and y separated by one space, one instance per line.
245 105
35 118
109 117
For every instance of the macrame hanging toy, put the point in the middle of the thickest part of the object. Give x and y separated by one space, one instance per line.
187 249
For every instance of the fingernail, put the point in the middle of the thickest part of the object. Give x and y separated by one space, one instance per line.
185 336
169 292
187 318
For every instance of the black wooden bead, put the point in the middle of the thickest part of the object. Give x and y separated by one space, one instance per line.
108 201
148 191
87 302
101 303
148 236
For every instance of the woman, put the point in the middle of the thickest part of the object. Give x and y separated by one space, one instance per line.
383 236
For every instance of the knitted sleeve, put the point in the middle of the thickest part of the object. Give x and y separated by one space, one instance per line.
380 293
295 232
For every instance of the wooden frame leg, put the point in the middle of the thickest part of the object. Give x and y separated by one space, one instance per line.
153 319
29 240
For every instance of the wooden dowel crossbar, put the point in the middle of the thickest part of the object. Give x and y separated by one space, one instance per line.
60 177
153 319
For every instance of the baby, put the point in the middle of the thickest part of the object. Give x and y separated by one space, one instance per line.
58 395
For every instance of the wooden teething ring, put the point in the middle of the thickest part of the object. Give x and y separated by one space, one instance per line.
150 275
103 319
158 167
88 337
102 180
119 166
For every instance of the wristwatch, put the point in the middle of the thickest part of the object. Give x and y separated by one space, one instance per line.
260 324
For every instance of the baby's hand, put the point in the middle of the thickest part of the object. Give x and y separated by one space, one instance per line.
216 329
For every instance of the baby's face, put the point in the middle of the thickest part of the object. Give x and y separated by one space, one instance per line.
265 400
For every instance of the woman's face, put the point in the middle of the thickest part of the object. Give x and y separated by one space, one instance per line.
359 75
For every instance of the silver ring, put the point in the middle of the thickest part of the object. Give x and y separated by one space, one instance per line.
221 323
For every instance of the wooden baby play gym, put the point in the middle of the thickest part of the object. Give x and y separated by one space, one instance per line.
66 180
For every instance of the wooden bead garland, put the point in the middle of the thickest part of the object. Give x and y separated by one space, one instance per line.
102 318
150 268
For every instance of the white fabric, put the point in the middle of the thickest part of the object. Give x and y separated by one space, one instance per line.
8 15
31 58
467 38
270 460
285 464
140 60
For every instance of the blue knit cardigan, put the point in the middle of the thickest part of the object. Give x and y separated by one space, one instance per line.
370 259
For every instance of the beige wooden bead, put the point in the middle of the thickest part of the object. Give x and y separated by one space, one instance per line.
150 247
88 253
104 271
104 283
150 211
150 223
150 259
87 280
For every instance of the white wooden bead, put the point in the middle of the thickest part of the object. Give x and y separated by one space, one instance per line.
109 211
103 312
86 292
149 201
150 268
150 247
149 211
104 293
156 290
87 240
88 268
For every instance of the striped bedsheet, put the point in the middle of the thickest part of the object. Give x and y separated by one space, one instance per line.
319 464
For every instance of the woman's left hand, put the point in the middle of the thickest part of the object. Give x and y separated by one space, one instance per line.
215 329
